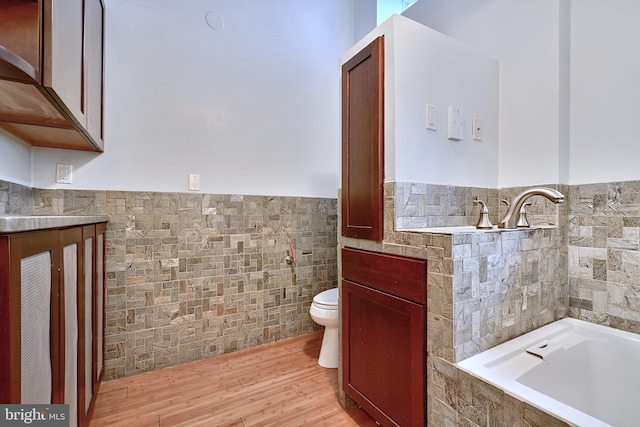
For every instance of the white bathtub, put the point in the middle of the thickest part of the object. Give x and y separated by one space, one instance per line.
584 374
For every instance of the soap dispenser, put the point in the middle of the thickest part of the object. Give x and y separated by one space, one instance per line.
483 222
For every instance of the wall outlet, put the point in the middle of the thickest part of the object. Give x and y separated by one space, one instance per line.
63 173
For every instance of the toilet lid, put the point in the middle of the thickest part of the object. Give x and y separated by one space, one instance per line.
328 297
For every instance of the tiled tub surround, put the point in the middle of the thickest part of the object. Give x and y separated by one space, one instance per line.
191 276
604 254
484 289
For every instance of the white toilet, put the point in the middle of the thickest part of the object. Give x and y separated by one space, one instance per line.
324 311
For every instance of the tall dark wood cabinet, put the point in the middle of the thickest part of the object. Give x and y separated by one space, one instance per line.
363 143
384 335
52 317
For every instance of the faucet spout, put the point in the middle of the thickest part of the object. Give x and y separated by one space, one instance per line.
510 219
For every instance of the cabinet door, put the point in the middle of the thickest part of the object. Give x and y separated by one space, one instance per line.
63 55
93 52
72 315
384 355
363 143
30 363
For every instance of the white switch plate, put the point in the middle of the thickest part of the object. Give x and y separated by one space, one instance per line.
455 124
477 129
194 182
63 173
432 117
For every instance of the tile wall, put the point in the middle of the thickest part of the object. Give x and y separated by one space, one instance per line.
604 254
15 199
191 276
485 289
427 205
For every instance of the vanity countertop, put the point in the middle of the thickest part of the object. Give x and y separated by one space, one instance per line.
19 223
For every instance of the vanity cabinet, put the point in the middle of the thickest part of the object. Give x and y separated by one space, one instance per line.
384 335
51 72
51 306
363 143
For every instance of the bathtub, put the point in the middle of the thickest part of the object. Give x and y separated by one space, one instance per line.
582 373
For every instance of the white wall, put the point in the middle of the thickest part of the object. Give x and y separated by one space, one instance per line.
424 67
15 160
364 17
252 107
525 35
182 98
605 91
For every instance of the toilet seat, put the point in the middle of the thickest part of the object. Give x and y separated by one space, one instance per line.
327 300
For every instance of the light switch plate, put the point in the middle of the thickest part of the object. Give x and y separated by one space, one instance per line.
477 129
194 182
432 117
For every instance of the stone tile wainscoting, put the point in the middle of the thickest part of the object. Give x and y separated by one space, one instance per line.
198 275
191 276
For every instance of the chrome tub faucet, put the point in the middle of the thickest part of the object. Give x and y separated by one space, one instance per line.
510 219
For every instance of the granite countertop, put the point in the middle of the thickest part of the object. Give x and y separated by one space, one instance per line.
19 223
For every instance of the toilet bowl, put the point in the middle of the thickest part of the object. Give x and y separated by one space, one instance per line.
324 311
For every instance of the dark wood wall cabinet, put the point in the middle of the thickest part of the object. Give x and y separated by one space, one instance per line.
384 335
363 143
52 317
51 72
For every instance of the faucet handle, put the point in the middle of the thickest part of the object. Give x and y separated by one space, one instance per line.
483 222
522 219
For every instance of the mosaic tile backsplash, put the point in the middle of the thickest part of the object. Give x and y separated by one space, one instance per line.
191 276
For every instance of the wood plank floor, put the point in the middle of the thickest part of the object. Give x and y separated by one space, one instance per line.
279 384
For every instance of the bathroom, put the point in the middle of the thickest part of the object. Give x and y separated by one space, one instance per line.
566 118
